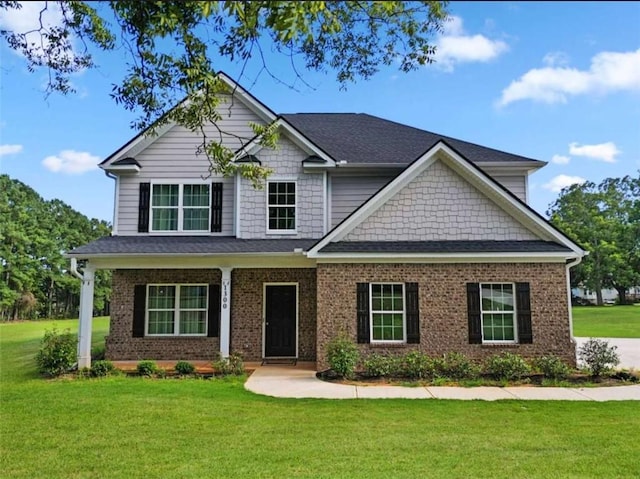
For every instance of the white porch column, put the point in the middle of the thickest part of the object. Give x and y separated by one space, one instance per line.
86 317
225 312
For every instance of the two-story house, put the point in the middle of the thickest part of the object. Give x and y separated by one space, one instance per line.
397 237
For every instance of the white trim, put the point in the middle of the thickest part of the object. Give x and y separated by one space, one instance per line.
436 257
295 136
404 315
325 203
225 311
514 313
477 178
123 169
176 311
329 202
236 205
276 179
264 312
116 206
253 261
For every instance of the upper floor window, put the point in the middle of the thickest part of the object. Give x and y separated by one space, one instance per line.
281 206
180 207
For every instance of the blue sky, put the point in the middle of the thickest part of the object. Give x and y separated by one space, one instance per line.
559 82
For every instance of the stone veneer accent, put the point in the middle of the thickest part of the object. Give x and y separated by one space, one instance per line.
443 306
286 163
439 205
246 314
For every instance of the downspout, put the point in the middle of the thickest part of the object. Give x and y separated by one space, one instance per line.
570 265
74 269
114 228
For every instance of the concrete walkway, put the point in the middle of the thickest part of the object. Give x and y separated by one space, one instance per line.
628 350
300 382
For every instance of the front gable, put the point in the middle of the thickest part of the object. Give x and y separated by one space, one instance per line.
438 205
441 197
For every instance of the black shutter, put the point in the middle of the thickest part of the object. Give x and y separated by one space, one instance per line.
413 312
473 312
363 312
523 308
143 208
213 315
139 309
216 207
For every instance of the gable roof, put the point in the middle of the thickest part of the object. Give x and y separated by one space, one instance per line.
487 185
363 138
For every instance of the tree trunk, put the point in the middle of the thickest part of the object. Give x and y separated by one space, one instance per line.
599 300
622 295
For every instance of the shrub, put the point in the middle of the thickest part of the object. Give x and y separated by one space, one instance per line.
598 356
232 365
343 356
507 366
147 368
98 353
102 368
184 368
552 367
417 365
378 365
456 366
58 352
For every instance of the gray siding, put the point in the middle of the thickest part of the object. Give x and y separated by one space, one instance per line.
286 163
439 205
173 156
515 184
349 192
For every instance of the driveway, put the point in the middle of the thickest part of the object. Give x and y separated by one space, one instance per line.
628 350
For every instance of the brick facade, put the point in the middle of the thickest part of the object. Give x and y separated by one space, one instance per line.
246 314
443 306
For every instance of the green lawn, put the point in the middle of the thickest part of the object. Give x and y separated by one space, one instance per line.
606 321
129 428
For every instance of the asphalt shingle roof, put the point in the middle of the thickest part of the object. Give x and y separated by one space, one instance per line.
444 247
170 245
362 138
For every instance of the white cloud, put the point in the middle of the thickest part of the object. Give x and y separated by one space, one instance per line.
560 159
27 19
71 162
556 59
606 152
609 71
10 149
454 46
562 181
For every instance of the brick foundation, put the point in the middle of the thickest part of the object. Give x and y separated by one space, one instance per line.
246 314
443 306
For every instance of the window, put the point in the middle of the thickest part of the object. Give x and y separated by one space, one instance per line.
180 207
281 206
387 312
179 309
498 312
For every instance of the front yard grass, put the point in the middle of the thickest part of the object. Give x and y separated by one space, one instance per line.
123 427
606 321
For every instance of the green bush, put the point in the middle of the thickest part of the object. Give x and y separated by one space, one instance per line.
185 368
147 368
552 367
378 365
58 352
507 366
102 368
456 366
230 366
417 365
98 353
343 356
598 356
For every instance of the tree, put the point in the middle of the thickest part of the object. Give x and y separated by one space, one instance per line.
169 47
34 235
605 220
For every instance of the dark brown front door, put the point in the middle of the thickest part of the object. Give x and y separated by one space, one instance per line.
280 321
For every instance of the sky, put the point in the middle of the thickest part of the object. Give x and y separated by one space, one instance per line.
554 81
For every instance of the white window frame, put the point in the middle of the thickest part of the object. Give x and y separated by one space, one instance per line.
514 312
180 207
176 311
295 206
372 311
